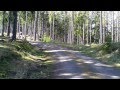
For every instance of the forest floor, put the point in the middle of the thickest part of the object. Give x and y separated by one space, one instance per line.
21 60
71 64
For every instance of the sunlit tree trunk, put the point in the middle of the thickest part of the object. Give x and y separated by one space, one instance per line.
68 36
39 27
18 26
103 28
32 28
115 30
112 32
118 33
87 27
23 31
71 28
90 32
50 22
83 33
100 40
35 24
25 24
107 26
3 23
41 32
53 26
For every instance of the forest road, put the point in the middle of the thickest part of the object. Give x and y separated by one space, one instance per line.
70 64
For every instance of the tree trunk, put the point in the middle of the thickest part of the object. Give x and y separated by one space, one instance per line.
35 24
71 29
107 26
50 22
87 28
112 33
53 26
100 40
118 31
90 32
38 25
103 28
87 33
14 25
83 33
3 23
19 27
25 24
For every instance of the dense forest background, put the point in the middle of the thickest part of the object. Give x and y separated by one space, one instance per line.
73 27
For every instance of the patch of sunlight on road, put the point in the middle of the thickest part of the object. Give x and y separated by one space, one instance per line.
64 59
79 60
115 77
100 64
55 50
90 75
82 61
72 75
89 61
66 74
72 51
110 76
76 77
117 65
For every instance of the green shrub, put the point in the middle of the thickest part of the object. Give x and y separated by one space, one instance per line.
106 47
109 47
23 46
108 38
115 46
46 38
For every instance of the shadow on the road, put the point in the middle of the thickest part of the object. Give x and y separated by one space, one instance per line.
73 65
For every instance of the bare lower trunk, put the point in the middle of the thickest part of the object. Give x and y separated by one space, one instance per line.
8 33
83 33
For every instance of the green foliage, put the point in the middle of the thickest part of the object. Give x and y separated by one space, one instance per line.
109 47
46 38
108 38
23 46
106 47
17 58
116 46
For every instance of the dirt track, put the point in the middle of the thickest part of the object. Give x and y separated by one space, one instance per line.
70 64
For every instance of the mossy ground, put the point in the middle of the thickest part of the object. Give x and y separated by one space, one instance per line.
20 60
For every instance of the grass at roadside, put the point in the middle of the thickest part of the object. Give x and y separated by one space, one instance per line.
21 60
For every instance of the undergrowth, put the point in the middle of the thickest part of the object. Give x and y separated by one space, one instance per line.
19 58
